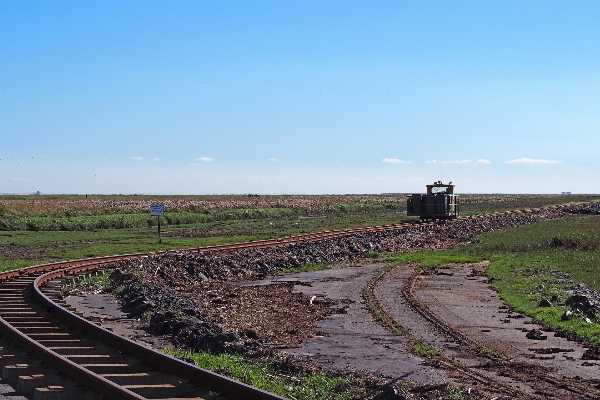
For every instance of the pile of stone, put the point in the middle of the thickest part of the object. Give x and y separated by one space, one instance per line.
588 208
170 313
582 301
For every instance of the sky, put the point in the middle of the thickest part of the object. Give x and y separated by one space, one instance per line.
299 97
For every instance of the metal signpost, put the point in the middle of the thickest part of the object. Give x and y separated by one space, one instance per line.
158 210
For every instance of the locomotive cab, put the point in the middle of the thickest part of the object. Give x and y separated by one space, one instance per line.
440 188
439 202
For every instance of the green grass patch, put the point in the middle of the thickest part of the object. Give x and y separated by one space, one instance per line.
91 283
371 254
429 259
308 267
22 249
136 220
271 374
489 352
424 350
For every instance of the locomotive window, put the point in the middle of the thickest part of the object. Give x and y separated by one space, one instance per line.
438 190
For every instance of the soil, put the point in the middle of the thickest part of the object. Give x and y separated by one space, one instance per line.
461 297
105 309
353 340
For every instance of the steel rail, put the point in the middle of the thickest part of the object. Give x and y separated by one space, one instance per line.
94 381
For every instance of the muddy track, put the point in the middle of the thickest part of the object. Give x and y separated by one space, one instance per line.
499 372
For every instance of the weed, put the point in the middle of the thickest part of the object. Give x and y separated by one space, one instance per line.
308 267
270 373
489 352
424 350
93 282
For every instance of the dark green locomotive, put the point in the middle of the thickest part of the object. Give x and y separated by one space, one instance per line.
440 202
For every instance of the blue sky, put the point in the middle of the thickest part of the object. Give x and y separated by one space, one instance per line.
197 97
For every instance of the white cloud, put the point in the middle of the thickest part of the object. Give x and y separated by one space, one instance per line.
483 161
448 162
137 158
274 159
156 159
395 161
525 160
460 162
204 159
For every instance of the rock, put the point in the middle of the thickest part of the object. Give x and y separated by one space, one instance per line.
579 302
567 315
593 353
389 393
249 333
217 342
592 315
545 303
202 277
536 335
138 310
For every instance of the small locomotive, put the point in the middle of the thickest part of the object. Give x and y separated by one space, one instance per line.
440 202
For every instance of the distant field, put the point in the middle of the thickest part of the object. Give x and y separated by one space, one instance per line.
77 212
45 228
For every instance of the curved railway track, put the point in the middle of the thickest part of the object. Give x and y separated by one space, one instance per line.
33 316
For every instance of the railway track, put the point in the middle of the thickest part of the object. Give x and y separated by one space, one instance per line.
33 316
547 384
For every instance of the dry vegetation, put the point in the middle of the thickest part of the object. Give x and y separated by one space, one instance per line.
49 205
101 205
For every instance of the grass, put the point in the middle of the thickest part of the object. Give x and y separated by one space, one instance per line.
270 374
489 352
308 267
424 350
22 249
93 282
